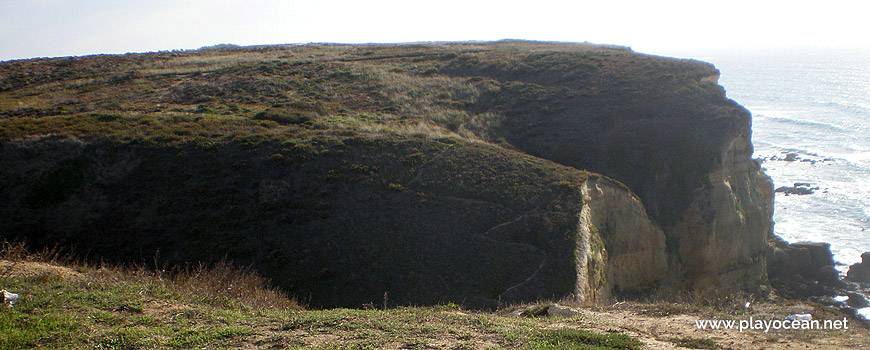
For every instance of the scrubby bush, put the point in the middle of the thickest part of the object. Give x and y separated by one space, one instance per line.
297 112
285 116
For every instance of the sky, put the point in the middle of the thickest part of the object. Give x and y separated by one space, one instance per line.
51 28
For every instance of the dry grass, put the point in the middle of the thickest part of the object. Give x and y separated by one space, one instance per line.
70 304
225 307
220 284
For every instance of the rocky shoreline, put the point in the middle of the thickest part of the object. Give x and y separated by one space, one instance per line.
806 270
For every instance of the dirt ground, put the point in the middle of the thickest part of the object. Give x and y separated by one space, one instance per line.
662 329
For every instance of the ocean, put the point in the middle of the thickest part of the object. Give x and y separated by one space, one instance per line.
811 129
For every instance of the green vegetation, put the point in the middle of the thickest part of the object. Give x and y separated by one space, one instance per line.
580 339
302 160
695 343
111 307
269 203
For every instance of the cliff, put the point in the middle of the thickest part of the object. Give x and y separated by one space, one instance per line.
418 173
664 128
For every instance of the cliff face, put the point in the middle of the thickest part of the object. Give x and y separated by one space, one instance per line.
672 137
635 254
412 173
728 223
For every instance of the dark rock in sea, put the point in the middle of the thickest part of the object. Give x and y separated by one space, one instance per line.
806 270
794 191
791 157
800 188
829 275
860 272
857 300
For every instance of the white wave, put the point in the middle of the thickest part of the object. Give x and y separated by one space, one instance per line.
850 106
781 150
805 122
858 159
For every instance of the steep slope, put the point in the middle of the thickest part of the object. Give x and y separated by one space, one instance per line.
420 173
361 218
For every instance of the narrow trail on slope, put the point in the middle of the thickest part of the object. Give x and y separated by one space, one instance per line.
422 166
485 236
540 251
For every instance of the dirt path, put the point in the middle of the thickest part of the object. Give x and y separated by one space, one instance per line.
666 330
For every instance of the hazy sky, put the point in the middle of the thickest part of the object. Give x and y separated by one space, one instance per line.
34 28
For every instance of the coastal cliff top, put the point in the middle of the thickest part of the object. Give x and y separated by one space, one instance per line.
596 107
225 93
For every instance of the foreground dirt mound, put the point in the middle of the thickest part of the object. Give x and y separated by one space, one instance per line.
34 268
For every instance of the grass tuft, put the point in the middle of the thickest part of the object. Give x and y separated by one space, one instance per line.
695 343
565 339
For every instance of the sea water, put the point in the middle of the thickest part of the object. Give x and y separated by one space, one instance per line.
811 127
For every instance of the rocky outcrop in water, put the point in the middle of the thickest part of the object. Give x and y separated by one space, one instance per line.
803 269
860 272
800 189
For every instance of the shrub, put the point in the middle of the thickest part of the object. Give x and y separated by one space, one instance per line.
285 116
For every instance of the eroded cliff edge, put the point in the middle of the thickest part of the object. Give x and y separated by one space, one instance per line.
419 173
666 129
